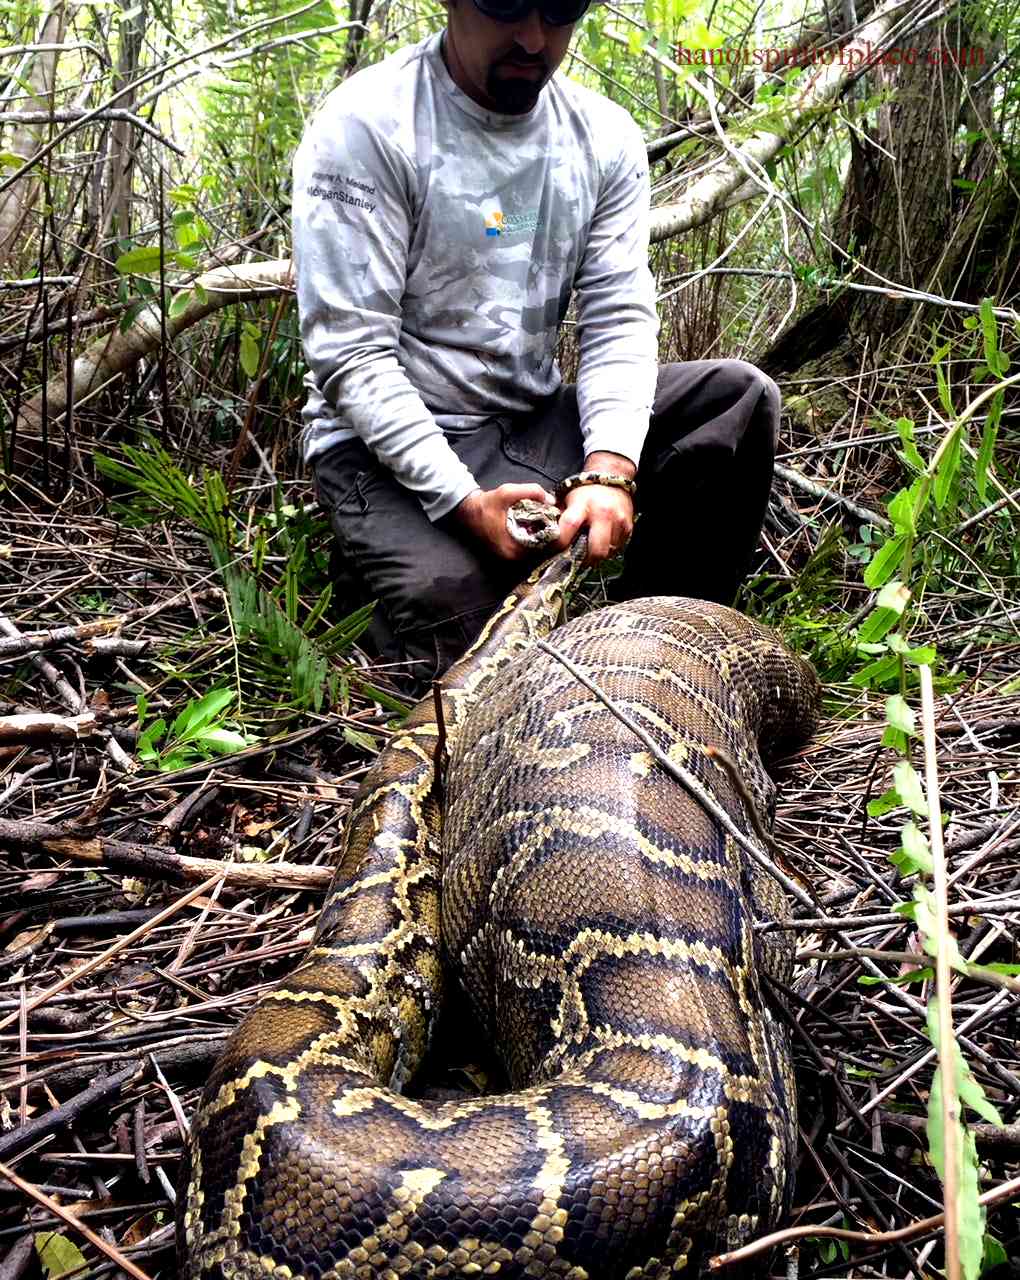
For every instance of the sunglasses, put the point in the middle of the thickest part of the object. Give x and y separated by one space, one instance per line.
557 13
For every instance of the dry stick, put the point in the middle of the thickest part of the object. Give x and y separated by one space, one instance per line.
157 863
1003 1192
39 1126
922 1061
97 961
44 727
816 490
65 1215
33 641
991 1137
68 697
943 985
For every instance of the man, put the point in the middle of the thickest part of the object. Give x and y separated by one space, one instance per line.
447 203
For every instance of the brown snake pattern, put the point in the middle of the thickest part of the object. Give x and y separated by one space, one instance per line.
601 925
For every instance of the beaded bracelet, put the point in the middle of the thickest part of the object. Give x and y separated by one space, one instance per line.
595 477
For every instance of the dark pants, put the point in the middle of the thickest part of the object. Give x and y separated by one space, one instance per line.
703 484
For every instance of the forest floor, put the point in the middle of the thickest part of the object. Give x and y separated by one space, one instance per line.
149 909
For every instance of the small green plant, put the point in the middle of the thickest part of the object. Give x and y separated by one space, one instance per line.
281 639
897 574
202 730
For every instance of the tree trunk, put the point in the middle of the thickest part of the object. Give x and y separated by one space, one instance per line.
16 203
901 216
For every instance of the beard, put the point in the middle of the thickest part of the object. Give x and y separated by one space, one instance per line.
515 94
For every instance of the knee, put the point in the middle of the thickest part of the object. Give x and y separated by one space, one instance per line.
745 380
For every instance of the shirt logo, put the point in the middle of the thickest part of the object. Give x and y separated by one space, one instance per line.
498 223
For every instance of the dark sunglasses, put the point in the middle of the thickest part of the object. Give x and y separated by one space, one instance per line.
557 13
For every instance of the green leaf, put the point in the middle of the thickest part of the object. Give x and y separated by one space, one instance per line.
986 450
990 336
878 673
363 741
901 511
994 1255
249 355
885 803
894 595
885 561
896 740
899 713
907 782
139 260
905 429
948 466
196 715
131 314
970 1211
57 1254
11 160
222 741
945 394
913 854
877 624
900 980
179 304
935 1129
923 656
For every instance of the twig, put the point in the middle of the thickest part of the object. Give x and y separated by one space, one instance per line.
98 961
39 1126
41 727
988 1136
65 1215
68 697
36 641
1003 1192
816 490
157 863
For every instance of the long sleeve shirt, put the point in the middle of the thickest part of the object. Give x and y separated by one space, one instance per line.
437 245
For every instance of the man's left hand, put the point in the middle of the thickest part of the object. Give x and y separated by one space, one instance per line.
606 512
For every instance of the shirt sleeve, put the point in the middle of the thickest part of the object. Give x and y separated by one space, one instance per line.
353 222
617 321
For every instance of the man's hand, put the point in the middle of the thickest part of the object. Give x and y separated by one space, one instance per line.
483 514
606 512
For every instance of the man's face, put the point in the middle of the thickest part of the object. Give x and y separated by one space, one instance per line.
502 65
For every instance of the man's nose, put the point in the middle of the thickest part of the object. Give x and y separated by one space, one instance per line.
530 32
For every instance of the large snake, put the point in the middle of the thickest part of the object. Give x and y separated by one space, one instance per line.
602 926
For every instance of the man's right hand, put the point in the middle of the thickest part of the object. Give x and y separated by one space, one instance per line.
483 514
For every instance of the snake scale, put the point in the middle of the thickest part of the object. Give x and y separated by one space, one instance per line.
601 925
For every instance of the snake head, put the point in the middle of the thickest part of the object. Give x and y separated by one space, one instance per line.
532 523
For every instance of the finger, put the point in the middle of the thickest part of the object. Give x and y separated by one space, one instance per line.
511 493
571 522
600 539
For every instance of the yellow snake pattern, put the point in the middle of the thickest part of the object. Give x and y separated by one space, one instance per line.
601 925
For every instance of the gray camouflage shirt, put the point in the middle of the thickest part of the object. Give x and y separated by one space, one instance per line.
436 247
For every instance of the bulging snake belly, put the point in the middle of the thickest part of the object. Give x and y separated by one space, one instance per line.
601 924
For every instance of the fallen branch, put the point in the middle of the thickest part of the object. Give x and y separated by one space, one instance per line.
1004 1137
39 1126
153 862
72 700
1006 1191
816 490
41 727
119 351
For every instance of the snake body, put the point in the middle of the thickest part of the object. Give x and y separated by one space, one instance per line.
601 925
